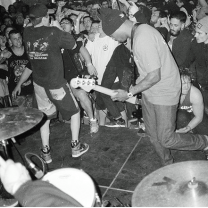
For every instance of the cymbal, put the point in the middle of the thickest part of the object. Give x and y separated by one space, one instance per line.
15 121
183 184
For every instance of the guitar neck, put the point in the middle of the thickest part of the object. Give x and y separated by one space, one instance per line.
110 92
104 90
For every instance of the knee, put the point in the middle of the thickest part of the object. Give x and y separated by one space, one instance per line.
167 141
82 96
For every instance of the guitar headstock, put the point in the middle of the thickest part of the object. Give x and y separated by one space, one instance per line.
85 83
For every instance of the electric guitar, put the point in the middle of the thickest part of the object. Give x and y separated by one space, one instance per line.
89 84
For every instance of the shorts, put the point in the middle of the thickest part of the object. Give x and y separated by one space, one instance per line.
50 100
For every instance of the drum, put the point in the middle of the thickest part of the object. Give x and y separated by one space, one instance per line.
76 183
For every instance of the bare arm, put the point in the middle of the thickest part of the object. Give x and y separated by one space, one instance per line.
85 54
198 110
198 107
25 75
203 3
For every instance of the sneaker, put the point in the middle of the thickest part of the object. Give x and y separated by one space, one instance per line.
8 202
79 149
141 131
94 126
116 123
46 154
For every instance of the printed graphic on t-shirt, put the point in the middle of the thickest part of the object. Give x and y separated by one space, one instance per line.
189 109
105 47
38 49
18 68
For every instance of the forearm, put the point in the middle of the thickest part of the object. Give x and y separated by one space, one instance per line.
195 122
73 11
58 10
150 80
85 54
202 3
77 26
126 3
25 75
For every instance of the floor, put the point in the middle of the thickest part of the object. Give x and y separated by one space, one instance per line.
118 159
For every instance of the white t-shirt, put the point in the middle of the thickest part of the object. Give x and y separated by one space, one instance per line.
101 50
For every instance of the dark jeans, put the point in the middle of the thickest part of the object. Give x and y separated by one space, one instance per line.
160 124
125 80
184 117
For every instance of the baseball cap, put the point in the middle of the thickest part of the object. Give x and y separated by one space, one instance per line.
111 19
39 10
202 24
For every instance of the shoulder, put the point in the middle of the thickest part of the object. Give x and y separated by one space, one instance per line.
195 95
187 34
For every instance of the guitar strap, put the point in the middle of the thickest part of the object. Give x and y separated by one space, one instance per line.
139 95
132 38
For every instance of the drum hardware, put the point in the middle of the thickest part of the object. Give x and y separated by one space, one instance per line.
183 184
77 184
15 121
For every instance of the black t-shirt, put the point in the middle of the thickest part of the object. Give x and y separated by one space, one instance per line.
16 66
72 66
43 46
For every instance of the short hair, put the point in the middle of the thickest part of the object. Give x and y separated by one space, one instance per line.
179 15
95 21
2 34
69 19
14 32
36 20
142 1
72 15
186 73
7 17
104 1
13 28
87 17
87 3
162 14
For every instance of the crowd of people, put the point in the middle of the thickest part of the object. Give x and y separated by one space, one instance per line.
155 48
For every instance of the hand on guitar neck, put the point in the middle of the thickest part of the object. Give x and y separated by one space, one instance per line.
89 84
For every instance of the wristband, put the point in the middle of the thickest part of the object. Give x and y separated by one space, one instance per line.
2 55
130 95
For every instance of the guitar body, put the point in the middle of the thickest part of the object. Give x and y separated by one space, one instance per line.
89 84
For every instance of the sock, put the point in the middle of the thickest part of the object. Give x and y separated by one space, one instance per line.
46 149
92 119
74 143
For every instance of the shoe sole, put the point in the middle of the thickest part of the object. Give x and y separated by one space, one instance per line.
115 126
142 134
93 132
48 161
78 155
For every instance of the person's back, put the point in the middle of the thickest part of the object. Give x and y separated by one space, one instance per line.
43 46
154 54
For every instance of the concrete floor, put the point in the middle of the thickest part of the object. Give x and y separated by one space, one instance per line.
117 160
